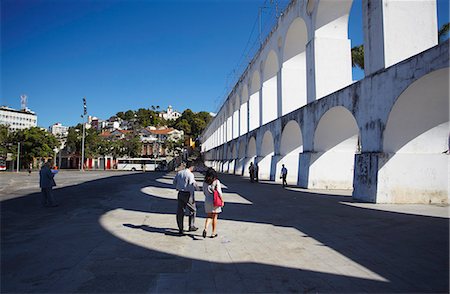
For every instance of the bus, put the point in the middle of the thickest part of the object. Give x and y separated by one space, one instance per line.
141 164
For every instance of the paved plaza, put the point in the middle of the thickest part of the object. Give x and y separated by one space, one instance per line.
115 232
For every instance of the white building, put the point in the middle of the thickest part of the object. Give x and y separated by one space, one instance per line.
170 114
17 119
58 130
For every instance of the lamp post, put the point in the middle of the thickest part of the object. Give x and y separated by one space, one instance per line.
18 156
84 133
56 152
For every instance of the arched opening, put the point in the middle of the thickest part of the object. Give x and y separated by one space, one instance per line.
355 33
254 102
229 121
335 145
236 106
332 52
243 113
269 88
290 148
241 157
232 159
416 143
251 154
265 156
293 77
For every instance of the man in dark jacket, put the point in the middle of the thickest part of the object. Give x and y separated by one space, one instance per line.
46 182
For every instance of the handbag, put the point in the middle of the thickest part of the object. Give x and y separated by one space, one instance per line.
218 202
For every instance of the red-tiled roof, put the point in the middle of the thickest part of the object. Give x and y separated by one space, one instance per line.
162 131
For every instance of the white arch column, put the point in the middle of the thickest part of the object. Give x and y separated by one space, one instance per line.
328 52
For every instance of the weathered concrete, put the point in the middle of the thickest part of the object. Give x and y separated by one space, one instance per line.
302 74
114 233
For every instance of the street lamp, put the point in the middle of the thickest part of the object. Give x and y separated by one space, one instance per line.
18 156
84 133
56 152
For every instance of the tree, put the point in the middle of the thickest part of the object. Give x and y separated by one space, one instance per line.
129 115
5 141
184 125
358 56
35 143
132 146
443 32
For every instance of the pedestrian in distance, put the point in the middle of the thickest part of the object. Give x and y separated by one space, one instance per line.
284 172
30 168
251 170
47 182
210 184
186 185
256 172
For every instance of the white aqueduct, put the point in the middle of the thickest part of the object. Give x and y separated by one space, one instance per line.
385 136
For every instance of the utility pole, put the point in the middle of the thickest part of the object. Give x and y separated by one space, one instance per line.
18 156
84 133
260 23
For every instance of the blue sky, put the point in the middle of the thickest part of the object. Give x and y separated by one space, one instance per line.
127 54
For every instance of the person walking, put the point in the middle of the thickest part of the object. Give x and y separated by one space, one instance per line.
186 185
251 170
284 172
210 184
47 182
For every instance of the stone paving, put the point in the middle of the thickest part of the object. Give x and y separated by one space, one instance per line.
115 232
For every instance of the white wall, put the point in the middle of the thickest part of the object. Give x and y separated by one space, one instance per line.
236 124
269 100
293 83
243 119
254 111
290 148
414 168
335 142
229 128
265 157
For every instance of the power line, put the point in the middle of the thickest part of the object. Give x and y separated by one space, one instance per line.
255 43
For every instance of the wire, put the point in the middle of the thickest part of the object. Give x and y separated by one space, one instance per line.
254 42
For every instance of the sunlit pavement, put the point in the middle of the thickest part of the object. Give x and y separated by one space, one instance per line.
116 232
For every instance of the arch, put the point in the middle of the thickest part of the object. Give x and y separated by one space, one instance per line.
243 113
265 156
240 162
251 154
270 88
236 107
254 101
332 69
335 145
293 83
290 148
331 19
416 143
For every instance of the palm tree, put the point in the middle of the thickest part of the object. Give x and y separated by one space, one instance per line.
358 56
443 32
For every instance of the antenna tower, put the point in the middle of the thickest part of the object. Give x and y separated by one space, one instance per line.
23 101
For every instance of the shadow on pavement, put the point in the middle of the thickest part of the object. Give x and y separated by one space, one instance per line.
54 250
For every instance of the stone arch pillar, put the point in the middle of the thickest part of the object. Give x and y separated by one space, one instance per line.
328 50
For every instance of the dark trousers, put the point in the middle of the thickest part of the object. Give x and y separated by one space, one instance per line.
47 197
284 180
185 200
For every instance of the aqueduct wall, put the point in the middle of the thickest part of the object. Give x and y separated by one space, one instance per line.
385 136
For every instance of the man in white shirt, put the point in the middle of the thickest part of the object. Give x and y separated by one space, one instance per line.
186 185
